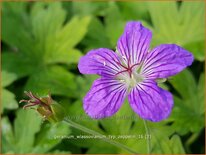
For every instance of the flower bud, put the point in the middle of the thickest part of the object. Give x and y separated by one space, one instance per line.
46 107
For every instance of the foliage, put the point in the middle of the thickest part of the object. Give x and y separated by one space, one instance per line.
8 100
22 138
41 45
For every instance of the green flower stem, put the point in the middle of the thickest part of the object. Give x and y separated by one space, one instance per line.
148 138
89 131
190 140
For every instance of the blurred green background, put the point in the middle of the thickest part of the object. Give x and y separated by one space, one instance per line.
41 45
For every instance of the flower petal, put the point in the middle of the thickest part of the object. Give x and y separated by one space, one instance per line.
105 98
100 61
134 42
151 102
166 60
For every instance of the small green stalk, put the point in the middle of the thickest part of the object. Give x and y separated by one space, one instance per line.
148 139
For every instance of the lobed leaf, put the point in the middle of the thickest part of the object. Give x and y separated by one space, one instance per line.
185 25
8 98
53 79
188 111
25 130
50 136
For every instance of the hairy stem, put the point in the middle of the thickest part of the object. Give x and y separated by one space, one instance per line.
92 132
148 137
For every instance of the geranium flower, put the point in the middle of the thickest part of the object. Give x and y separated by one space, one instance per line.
132 71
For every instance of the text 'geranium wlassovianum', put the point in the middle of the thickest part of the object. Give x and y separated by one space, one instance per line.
132 71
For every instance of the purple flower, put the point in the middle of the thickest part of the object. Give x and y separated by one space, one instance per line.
132 71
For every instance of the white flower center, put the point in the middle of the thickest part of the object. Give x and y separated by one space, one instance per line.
130 76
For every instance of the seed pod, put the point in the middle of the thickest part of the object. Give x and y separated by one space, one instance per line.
46 107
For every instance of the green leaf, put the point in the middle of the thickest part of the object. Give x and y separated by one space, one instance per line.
47 41
15 14
89 8
46 21
164 22
133 10
27 136
188 112
69 56
51 14
8 100
123 119
25 130
8 142
57 41
186 119
50 136
192 17
72 32
159 133
197 48
7 78
201 93
164 145
181 81
54 79
180 26
176 145
60 47
114 23
96 36
18 64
